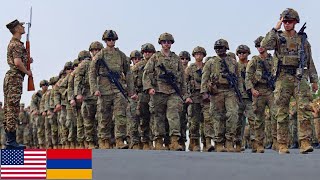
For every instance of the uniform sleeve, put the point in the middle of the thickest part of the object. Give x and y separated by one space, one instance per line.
128 74
34 102
183 80
93 73
47 100
79 75
205 76
270 41
71 92
56 96
188 83
18 51
42 103
313 75
250 71
148 74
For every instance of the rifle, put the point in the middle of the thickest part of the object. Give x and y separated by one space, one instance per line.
268 76
232 80
30 78
170 79
113 78
243 75
302 55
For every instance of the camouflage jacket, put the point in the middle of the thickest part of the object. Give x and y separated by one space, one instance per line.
42 103
213 74
81 81
23 118
47 105
286 52
137 73
242 74
60 91
117 62
35 101
1 117
255 71
193 82
16 49
152 72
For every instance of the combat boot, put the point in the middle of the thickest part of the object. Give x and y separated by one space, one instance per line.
135 146
67 145
305 146
101 144
220 147
120 144
72 145
238 147
268 146
85 144
209 147
91 145
12 142
254 146
80 145
196 146
318 147
159 144
191 144
146 146
42 146
175 146
229 146
283 148
275 144
60 146
260 147
55 147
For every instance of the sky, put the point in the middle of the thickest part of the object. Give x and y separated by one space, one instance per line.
62 28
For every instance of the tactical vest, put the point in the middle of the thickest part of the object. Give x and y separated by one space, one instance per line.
219 70
195 77
288 49
260 70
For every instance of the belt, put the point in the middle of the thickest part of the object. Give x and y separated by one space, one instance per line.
261 85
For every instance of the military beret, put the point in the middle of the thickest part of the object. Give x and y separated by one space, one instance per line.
13 24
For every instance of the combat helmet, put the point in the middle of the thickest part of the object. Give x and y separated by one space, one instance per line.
221 42
53 80
148 47
44 83
199 49
68 65
135 54
84 55
166 37
95 45
290 14
243 48
257 42
185 54
110 34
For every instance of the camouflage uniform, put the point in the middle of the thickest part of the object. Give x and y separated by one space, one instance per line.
286 53
293 124
165 100
2 135
223 101
111 102
255 79
23 133
12 86
37 117
89 104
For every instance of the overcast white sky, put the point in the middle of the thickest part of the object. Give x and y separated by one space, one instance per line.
62 28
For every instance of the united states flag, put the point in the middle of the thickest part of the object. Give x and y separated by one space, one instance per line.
23 164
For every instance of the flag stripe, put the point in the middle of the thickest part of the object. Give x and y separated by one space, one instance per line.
24 178
69 164
23 175
23 166
69 174
23 170
69 154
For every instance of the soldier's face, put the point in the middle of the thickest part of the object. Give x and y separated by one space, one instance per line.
111 42
184 61
221 50
44 88
94 52
261 50
289 24
21 29
147 54
135 60
166 45
242 55
199 56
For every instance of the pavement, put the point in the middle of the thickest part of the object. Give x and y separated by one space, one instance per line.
168 165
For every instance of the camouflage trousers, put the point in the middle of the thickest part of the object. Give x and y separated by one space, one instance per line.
270 129
133 122
144 114
293 129
245 111
317 128
71 123
195 118
183 124
2 138
286 87
260 103
34 131
208 121
23 134
224 109
63 130
79 126
88 111
107 107
167 107
40 121
47 132
52 128
12 90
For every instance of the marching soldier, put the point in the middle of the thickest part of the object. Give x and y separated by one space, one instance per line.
291 81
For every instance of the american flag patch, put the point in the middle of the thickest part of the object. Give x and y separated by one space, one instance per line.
23 164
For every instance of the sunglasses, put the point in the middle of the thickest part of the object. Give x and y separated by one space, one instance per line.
288 21
69 68
166 42
147 51
257 45
218 47
95 49
184 58
108 39
242 52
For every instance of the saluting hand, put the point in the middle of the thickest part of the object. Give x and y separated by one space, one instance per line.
279 24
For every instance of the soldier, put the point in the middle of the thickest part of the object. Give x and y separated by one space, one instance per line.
193 85
43 112
291 82
23 133
51 122
83 95
245 109
35 111
133 115
60 103
142 109
185 58
257 83
2 135
110 61
164 97
223 100
12 86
